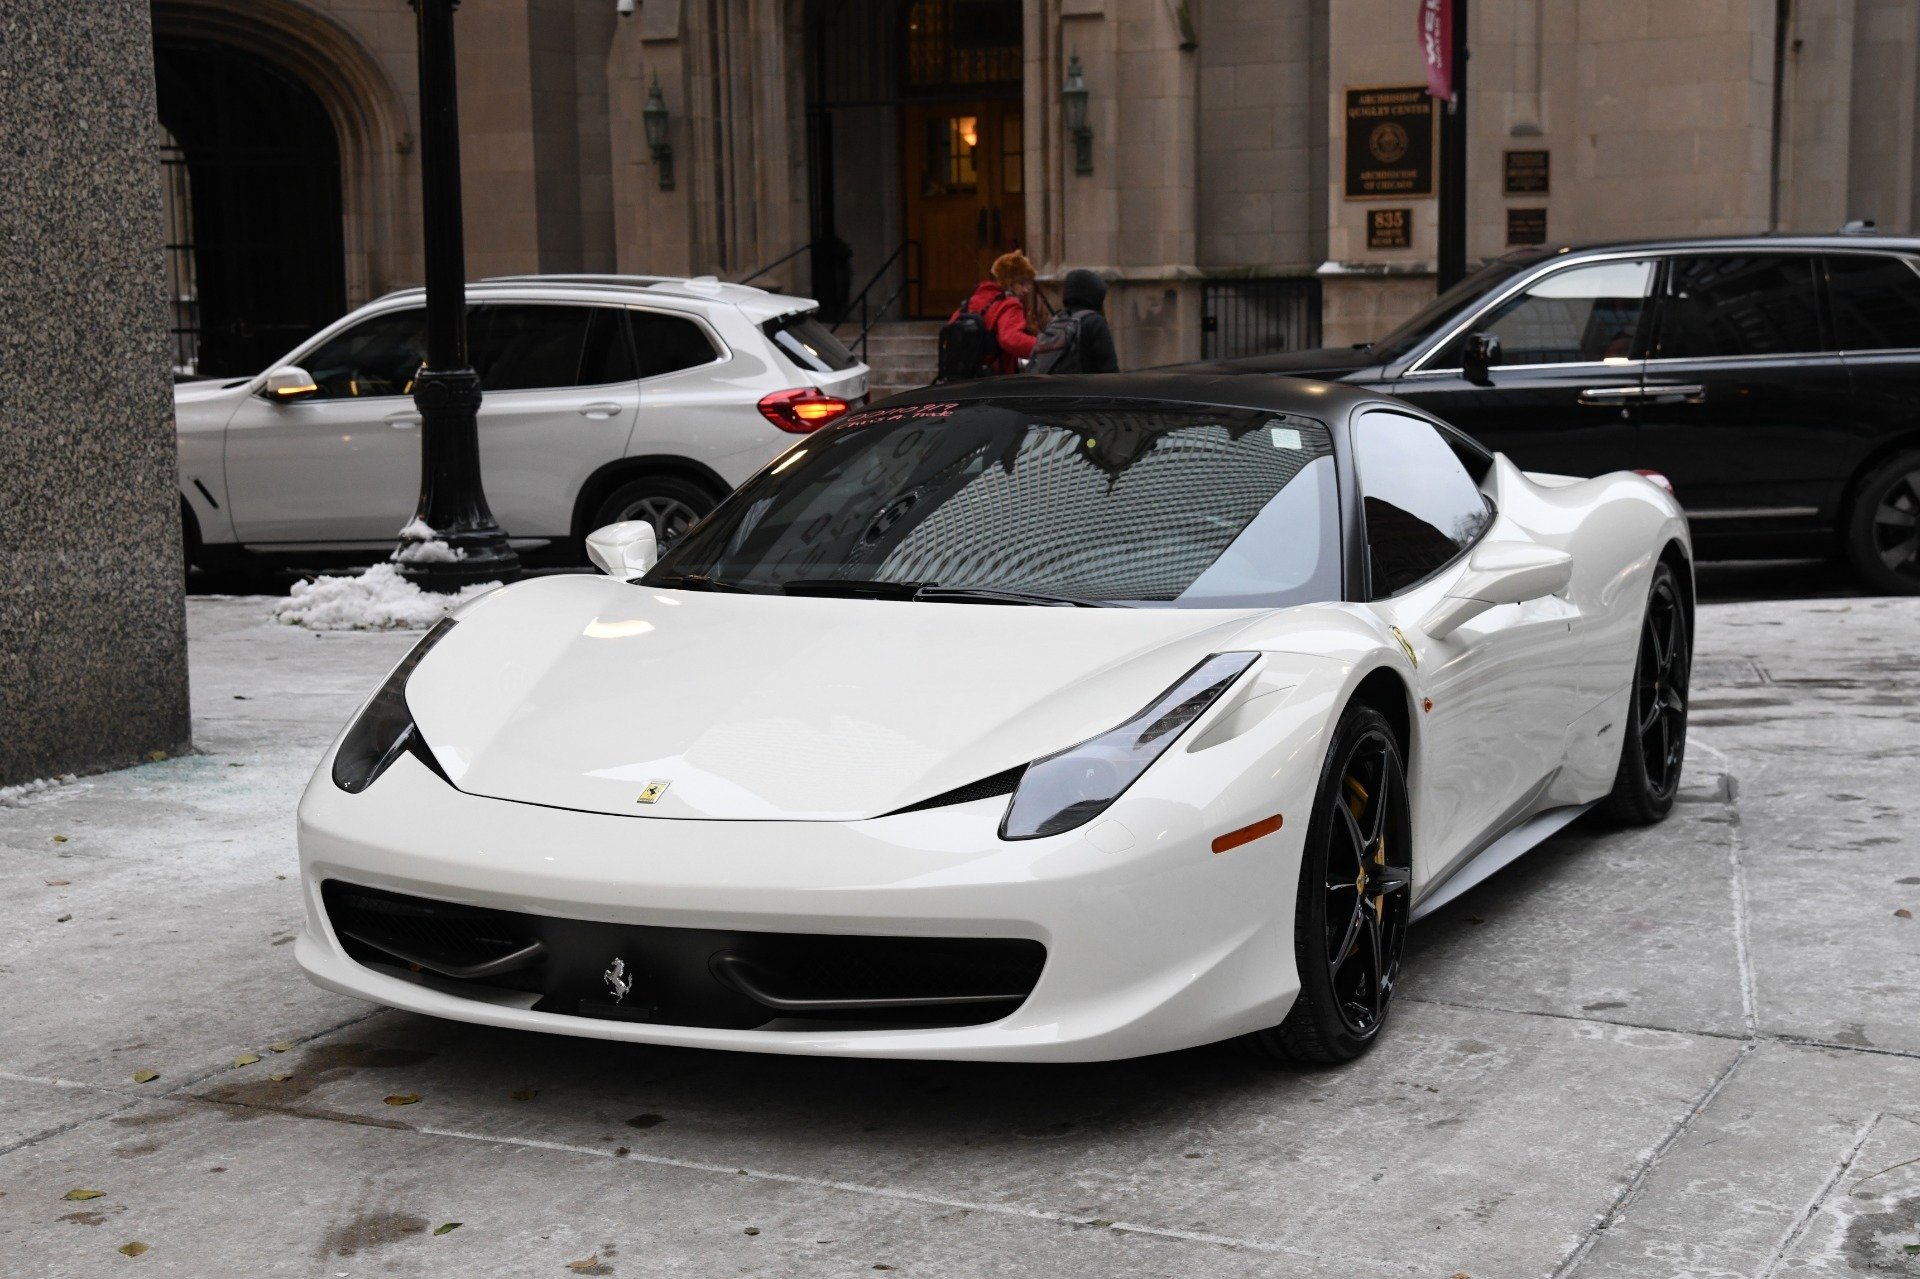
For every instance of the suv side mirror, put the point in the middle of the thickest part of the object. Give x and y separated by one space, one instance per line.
287 383
1478 356
1499 573
624 550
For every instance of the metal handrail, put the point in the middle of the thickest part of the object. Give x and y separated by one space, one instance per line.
907 251
782 260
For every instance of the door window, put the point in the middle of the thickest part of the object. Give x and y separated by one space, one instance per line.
1728 304
1582 315
1422 508
669 343
1876 302
375 357
608 356
524 347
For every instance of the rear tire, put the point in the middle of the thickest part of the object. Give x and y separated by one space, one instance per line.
1883 529
1350 913
1654 738
671 503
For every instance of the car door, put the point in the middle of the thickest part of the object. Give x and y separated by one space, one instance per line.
558 400
343 464
1744 396
1497 699
1561 397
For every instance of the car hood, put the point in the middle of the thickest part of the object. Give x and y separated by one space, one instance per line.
580 692
1334 363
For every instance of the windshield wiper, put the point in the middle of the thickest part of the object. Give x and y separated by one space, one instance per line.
993 595
701 582
864 589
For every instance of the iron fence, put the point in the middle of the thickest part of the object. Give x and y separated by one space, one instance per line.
1258 316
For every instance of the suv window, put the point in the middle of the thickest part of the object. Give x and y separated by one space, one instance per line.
1725 304
669 343
1581 315
1876 301
377 356
526 346
808 343
1422 508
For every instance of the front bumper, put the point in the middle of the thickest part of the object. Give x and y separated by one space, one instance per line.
1152 941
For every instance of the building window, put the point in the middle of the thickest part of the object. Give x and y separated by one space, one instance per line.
951 43
183 288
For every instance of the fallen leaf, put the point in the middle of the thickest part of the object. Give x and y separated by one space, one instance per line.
1102 1222
646 1121
61 919
58 883
245 1059
281 1077
751 1230
586 1265
145 1076
79 1195
59 839
448 1227
525 1094
280 1048
156 756
133 1249
402 1098
1903 913
881 1265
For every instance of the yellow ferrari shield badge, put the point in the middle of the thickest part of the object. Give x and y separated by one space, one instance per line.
652 791
1404 646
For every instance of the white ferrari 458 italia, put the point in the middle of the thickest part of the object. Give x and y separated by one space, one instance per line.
1049 719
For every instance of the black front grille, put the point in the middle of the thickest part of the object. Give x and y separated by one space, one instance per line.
689 976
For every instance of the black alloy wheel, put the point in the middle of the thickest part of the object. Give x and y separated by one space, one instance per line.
1355 894
1654 746
1883 535
669 503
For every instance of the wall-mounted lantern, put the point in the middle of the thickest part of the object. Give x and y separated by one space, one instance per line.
655 116
1073 105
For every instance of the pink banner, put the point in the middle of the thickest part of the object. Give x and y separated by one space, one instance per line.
1436 46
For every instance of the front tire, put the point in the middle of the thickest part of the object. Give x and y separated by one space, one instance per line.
1654 744
1883 532
1350 913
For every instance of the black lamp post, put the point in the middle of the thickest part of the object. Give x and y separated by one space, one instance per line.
1073 105
453 504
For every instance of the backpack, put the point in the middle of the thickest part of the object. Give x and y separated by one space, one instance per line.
966 344
1057 348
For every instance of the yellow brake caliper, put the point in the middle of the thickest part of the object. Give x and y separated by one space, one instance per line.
1357 804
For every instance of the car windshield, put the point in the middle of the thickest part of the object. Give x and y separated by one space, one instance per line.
1129 502
1446 308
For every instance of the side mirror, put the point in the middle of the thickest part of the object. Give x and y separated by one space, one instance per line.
1478 356
1499 573
287 383
624 550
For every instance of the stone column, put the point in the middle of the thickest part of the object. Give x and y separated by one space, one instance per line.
93 652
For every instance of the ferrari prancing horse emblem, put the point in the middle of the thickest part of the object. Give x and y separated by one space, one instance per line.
651 792
617 980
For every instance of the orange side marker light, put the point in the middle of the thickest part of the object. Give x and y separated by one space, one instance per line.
1247 834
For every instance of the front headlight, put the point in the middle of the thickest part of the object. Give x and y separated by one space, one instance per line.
385 728
1076 785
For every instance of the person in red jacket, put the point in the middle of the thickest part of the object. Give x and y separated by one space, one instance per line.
1006 302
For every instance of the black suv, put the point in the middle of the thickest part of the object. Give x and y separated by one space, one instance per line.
1775 381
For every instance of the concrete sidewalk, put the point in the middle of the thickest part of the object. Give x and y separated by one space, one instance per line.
1688 1050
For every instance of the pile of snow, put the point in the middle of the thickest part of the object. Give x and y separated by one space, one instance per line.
15 796
418 545
376 600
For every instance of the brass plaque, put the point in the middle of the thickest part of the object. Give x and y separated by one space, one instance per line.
1389 228
1526 226
1527 172
1391 134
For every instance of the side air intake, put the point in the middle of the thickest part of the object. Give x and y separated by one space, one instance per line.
986 788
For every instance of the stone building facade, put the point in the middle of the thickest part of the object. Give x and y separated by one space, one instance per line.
877 151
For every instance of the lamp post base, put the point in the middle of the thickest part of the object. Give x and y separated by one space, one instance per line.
453 505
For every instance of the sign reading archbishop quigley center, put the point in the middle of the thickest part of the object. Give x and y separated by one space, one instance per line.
1390 138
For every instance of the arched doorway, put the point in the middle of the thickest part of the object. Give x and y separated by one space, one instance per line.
915 138
263 242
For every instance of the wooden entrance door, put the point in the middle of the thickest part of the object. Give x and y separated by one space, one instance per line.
966 201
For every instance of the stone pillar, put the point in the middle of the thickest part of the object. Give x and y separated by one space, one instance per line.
93 652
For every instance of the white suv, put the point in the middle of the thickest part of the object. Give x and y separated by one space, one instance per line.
604 398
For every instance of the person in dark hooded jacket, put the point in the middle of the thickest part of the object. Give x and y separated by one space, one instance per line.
1077 339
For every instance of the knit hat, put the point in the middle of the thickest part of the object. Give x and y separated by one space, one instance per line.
1010 268
1083 288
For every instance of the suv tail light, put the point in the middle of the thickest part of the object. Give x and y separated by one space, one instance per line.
1653 476
802 409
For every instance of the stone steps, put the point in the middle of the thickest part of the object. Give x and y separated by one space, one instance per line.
903 356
